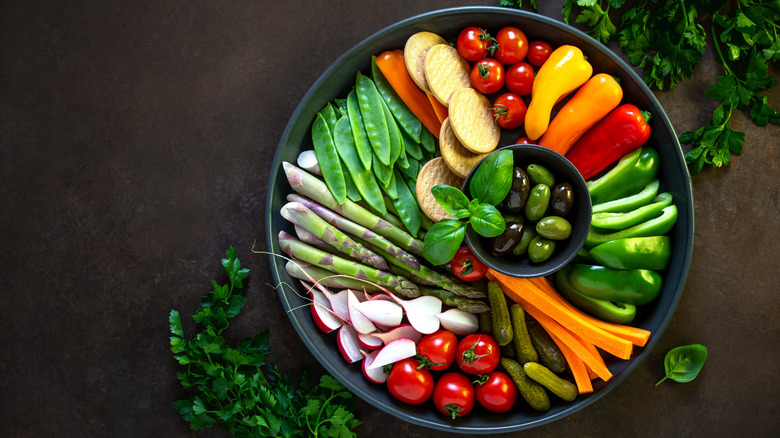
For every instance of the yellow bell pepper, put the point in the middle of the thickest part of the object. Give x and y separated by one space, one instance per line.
564 71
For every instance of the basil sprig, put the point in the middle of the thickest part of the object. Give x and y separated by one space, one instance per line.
489 185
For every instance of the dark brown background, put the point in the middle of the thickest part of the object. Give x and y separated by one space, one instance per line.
136 143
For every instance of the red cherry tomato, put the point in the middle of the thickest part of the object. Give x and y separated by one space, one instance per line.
474 43
487 76
454 395
520 78
496 392
478 354
409 384
524 140
438 349
466 266
512 45
509 110
538 52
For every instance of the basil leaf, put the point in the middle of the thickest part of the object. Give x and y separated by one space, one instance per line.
451 199
442 241
487 221
682 364
493 178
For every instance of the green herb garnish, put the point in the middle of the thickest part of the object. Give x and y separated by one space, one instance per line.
682 364
230 388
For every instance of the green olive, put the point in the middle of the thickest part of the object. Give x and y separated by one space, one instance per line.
538 200
539 174
540 249
554 227
522 247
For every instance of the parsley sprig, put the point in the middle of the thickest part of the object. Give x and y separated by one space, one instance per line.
231 390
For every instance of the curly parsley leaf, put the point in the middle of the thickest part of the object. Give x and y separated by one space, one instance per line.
232 391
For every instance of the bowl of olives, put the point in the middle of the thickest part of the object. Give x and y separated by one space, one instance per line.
547 212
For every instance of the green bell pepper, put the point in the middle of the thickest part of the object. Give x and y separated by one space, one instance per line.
635 286
653 252
621 221
629 202
618 313
653 227
630 175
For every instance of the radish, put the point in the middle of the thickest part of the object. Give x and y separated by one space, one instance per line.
375 375
348 343
357 319
369 341
386 313
459 321
338 303
308 161
421 312
402 331
393 352
323 316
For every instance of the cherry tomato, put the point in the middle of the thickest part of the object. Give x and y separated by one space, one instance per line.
509 110
538 52
520 78
512 45
496 391
478 354
474 43
409 384
454 395
524 140
466 266
438 349
487 76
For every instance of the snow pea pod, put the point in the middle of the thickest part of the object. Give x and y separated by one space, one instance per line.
394 132
629 203
653 227
406 119
328 158
620 221
619 313
370 104
629 176
406 205
362 177
362 145
653 252
634 286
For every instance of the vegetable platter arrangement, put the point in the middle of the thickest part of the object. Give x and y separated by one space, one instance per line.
368 301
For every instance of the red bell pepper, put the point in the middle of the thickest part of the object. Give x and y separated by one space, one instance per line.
621 131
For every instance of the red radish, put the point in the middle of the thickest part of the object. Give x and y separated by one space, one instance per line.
393 352
386 313
382 296
369 341
348 343
459 321
338 303
402 331
357 319
421 312
375 375
321 312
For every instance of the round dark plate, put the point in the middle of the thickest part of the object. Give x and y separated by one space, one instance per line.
336 82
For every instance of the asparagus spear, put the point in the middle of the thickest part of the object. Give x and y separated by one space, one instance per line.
452 300
308 185
299 250
391 252
302 271
301 216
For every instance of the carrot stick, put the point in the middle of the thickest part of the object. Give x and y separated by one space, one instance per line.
637 336
594 351
521 288
440 110
392 65
578 368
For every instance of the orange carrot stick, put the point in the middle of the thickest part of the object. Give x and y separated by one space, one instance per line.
520 288
594 351
440 110
392 65
578 368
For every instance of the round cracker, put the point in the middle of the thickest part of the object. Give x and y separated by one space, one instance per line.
433 173
459 159
414 55
472 121
446 72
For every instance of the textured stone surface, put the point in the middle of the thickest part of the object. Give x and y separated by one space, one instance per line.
136 142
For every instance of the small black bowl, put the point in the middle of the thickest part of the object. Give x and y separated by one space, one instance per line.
579 216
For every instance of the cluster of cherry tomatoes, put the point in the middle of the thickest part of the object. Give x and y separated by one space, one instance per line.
507 59
466 371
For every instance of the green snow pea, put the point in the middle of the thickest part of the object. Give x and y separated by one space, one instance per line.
629 202
372 110
653 252
363 179
328 158
630 175
406 205
621 221
653 227
408 122
362 145
634 286
619 313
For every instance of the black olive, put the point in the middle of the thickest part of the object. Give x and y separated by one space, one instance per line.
562 199
506 241
518 193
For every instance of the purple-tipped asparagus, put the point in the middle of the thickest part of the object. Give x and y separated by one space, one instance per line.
306 272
